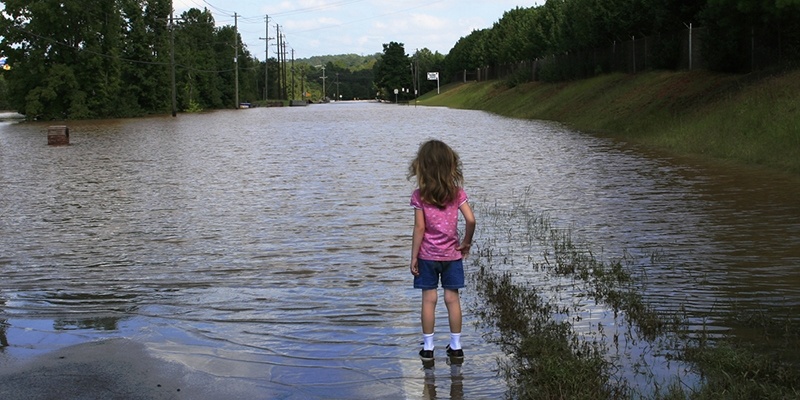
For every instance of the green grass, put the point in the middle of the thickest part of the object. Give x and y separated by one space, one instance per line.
744 119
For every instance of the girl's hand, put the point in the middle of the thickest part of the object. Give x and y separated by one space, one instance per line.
464 249
414 267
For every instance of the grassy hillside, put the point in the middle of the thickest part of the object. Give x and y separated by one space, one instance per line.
745 119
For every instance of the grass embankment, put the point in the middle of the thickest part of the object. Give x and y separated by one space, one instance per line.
744 119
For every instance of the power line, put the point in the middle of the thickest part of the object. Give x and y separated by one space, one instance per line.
372 17
317 8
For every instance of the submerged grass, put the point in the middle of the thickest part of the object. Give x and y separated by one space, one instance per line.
549 358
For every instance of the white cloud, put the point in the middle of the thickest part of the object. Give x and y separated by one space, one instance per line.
319 27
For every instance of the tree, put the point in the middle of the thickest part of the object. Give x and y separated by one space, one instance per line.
467 54
510 40
734 26
111 58
426 61
392 70
146 48
66 55
4 103
198 66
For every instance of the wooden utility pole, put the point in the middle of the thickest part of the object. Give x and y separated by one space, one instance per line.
337 88
293 98
278 56
236 57
172 62
323 84
285 77
266 61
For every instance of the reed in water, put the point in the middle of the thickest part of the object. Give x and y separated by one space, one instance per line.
557 346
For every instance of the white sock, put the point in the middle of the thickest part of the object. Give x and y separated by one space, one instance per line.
455 341
427 341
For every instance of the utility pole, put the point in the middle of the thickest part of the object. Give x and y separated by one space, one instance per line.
415 77
172 62
323 83
690 45
278 55
303 82
337 86
285 80
266 39
236 57
293 98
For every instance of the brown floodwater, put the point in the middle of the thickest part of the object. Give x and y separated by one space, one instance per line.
271 245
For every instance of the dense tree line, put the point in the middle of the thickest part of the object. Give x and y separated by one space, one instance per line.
346 78
563 26
344 83
112 58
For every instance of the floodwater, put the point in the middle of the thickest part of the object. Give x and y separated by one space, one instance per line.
271 245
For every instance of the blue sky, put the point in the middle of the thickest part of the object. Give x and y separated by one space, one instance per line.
328 27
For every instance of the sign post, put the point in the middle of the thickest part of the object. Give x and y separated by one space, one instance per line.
434 76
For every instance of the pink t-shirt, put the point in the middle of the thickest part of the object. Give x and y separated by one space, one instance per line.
440 241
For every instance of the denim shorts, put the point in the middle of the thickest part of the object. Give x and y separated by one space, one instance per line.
451 272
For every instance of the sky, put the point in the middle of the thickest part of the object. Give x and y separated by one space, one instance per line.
333 27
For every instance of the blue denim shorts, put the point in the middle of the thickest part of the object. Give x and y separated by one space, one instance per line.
451 272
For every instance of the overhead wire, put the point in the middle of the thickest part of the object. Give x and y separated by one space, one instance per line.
251 19
304 10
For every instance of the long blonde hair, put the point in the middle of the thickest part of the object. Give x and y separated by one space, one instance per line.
438 171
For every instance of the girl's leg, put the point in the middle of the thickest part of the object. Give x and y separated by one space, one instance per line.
429 298
453 302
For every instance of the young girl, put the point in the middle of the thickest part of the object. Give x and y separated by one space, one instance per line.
435 251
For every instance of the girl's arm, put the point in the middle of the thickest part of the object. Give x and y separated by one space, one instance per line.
469 219
416 242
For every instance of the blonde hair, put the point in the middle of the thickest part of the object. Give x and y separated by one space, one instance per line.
438 171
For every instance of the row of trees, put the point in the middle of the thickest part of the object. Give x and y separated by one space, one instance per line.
84 59
564 26
90 59
346 76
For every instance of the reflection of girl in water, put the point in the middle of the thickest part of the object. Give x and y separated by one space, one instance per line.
456 379
3 326
436 253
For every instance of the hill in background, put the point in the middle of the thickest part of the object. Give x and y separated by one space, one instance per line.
352 62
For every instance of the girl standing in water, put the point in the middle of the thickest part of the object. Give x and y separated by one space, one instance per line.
436 252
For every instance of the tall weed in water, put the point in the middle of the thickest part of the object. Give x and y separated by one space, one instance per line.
549 359
553 353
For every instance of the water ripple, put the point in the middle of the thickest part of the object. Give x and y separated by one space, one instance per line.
272 244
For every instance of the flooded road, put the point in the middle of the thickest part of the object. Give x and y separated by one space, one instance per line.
271 245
